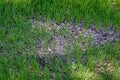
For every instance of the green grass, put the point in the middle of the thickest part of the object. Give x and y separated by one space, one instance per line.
100 11
19 58
18 41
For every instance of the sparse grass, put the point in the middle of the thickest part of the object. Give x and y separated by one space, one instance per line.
18 40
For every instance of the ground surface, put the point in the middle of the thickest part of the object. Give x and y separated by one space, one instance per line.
63 34
63 38
59 39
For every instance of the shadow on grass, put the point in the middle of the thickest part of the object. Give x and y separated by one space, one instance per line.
62 67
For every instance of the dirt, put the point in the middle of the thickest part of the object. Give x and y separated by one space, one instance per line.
89 37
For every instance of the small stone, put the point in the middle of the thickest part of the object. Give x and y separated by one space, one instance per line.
72 23
82 24
118 36
39 44
92 26
84 59
49 49
111 27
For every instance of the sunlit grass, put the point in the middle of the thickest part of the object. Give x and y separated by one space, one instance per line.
100 11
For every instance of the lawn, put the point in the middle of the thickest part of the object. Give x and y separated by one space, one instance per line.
59 39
